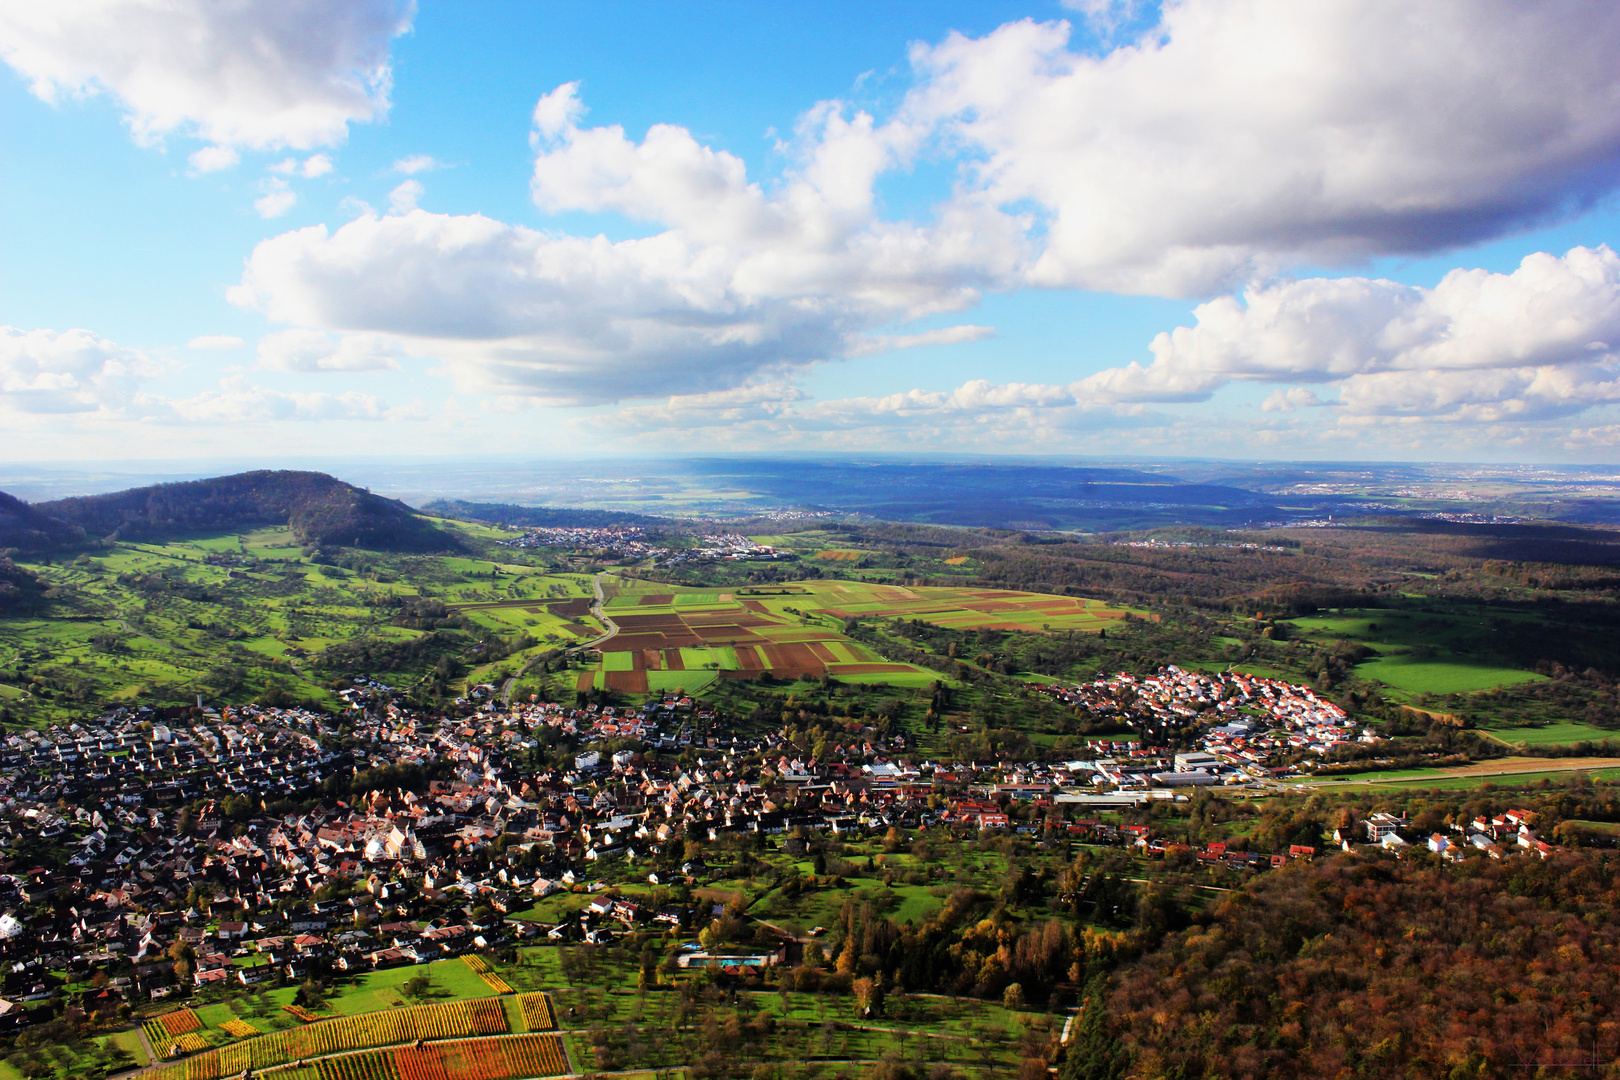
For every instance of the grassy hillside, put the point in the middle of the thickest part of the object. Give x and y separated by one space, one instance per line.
319 509
241 615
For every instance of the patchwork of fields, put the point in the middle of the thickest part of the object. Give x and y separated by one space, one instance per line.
677 638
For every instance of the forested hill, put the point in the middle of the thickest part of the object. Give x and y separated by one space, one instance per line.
20 591
539 517
25 528
319 509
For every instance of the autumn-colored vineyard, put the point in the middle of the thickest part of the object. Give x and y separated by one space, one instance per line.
158 1037
468 1059
371 1065
162 1032
302 1013
189 1043
537 1011
240 1028
454 1019
483 1059
178 1023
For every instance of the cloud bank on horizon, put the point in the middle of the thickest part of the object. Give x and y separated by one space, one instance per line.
1226 148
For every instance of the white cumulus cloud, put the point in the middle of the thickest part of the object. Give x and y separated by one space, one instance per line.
254 74
404 198
1235 139
276 197
742 284
415 163
1533 342
1297 397
1240 135
949 335
213 159
238 401
314 351
215 341
74 371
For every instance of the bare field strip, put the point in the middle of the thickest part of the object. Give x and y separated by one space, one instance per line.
1512 765
1505 767
726 634
801 637
791 656
731 618
637 642
649 622
570 609
626 682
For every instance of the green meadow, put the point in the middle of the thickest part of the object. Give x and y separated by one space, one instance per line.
1417 651
1562 733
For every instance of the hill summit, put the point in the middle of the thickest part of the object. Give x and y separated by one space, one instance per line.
320 509
25 528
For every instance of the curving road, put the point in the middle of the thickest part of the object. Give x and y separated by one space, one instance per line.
601 615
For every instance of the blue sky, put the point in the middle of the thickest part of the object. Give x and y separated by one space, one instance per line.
1253 229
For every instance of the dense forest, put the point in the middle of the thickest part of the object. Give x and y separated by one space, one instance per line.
20 591
1293 570
1369 966
1286 571
23 528
319 509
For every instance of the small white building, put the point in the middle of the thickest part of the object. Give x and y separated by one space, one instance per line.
1381 825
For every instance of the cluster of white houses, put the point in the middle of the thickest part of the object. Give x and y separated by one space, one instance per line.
1250 727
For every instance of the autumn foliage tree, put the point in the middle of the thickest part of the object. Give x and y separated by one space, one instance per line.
1369 966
